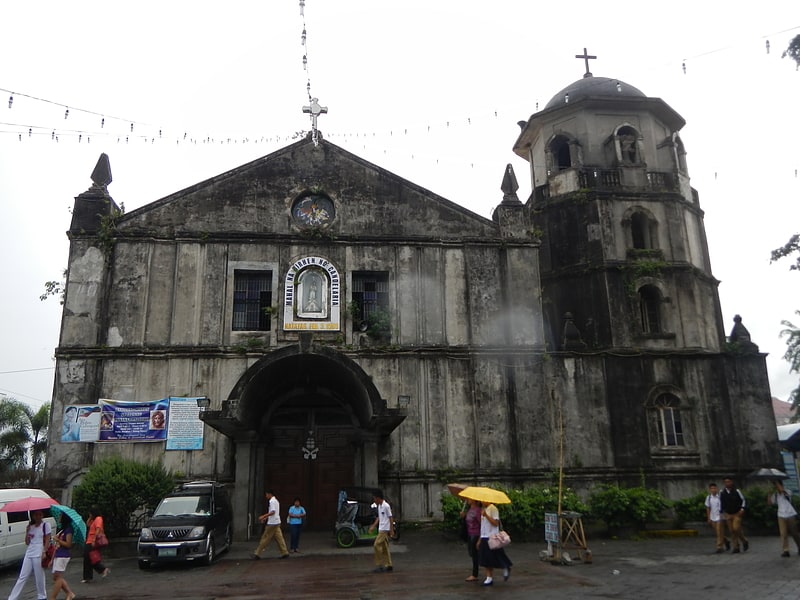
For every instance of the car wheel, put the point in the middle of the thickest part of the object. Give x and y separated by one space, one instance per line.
144 565
345 537
211 552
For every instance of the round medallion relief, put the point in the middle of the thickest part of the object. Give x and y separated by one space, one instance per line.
313 210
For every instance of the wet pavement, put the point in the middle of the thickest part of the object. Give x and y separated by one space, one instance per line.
430 565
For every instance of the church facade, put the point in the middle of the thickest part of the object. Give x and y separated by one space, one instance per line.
350 328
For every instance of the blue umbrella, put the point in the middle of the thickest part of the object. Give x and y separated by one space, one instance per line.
78 526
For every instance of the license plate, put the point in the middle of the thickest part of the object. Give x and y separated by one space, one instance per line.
168 552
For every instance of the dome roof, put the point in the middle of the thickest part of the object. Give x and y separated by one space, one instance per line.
595 86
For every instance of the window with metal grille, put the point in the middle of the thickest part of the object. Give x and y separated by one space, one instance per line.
670 424
252 300
370 296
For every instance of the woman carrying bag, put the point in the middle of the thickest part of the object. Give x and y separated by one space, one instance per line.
95 534
37 537
490 558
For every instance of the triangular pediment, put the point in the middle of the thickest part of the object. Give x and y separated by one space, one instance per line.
258 198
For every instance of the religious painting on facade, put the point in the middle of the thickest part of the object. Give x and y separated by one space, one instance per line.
312 295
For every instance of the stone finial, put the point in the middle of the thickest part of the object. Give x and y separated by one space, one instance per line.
739 335
510 186
572 336
101 176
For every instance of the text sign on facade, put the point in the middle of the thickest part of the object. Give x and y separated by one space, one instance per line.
312 296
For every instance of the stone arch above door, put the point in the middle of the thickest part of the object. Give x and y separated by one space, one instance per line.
293 367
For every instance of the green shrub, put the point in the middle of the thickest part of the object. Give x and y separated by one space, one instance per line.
119 487
758 514
689 509
526 511
620 507
451 509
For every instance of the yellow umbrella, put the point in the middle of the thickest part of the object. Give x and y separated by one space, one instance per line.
485 495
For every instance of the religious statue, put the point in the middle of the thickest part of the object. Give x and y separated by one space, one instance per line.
628 147
312 304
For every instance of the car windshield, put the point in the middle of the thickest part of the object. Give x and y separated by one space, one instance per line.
177 506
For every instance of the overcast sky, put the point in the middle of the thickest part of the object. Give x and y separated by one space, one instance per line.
429 90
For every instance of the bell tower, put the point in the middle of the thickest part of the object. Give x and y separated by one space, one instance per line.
624 248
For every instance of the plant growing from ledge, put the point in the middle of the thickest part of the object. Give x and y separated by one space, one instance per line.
106 235
379 324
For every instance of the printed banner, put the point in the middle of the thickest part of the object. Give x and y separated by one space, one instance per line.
81 423
133 421
185 429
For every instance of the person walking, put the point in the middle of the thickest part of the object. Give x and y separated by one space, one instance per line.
37 538
472 516
272 527
94 527
490 559
384 521
63 542
714 518
297 515
787 522
732 504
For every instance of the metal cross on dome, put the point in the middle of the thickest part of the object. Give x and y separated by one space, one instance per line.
315 110
586 58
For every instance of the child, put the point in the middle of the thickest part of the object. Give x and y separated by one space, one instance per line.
714 518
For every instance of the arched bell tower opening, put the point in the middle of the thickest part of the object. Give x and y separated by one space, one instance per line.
306 423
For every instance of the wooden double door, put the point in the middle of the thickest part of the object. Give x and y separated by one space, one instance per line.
313 465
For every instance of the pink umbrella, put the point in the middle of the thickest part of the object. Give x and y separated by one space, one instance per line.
30 503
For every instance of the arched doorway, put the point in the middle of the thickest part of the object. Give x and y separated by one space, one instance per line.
306 421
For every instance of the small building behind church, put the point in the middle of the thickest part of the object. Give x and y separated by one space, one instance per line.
311 321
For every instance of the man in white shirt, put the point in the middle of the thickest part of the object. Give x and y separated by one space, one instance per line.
385 523
714 517
787 522
272 527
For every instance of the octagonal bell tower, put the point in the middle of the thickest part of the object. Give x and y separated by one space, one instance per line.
624 248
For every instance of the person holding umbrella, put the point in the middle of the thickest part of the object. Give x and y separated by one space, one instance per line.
472 516
63 541
490 558
787 523
37 538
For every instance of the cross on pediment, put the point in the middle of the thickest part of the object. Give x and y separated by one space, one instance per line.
315 110
586 58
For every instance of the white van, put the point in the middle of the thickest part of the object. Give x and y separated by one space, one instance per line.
12 525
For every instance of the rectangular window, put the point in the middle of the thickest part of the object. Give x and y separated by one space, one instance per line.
370 297
670 427
252 300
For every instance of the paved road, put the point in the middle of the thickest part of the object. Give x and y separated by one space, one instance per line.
427 565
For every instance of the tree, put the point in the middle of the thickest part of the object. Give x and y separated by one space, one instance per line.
793 51
790 247
792 356
792 332
23 440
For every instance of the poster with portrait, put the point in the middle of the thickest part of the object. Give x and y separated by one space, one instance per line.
121 421
81 423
